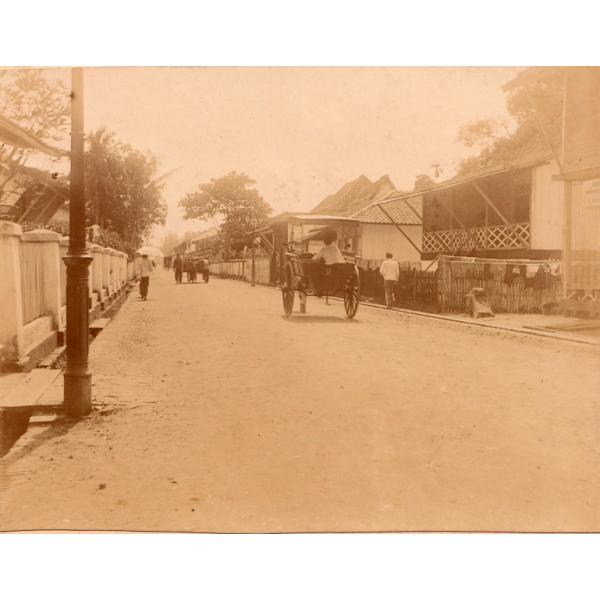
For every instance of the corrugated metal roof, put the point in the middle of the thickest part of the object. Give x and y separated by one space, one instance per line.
397 206
15 135
313 219
530 161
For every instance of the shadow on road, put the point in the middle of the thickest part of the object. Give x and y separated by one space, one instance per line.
302 318
32 439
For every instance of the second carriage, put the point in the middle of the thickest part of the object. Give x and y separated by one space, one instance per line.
196 266
301 274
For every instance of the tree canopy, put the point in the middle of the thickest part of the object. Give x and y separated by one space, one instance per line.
534 101
39 105
232 200
423 182
123 193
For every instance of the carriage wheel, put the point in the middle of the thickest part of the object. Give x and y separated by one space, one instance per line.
287 292
351 295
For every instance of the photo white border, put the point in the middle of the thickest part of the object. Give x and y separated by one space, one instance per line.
107 566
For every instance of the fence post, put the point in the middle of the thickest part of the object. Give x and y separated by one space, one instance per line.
119 270
11 300
91 276
63 248
49 243
105 271
97 270
123 268
441 283
114 286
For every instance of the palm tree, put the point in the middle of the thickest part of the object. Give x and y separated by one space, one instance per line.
100 172
437 170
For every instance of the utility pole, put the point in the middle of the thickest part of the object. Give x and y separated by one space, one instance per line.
77 378
253 277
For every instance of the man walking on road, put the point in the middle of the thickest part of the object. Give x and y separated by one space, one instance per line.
145 270
178 266
390 271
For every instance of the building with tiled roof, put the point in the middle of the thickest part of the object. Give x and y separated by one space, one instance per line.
392 224
403 210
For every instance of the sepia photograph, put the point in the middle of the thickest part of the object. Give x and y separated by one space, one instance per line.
300 299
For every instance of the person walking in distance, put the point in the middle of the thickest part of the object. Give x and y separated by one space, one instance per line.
390 271
178 266
146 268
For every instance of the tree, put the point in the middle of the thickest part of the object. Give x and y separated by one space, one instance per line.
169 242
437 170
483 132
122 192
534 101
232 200
39 105
102 172
423 182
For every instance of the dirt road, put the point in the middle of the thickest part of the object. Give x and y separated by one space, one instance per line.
214 413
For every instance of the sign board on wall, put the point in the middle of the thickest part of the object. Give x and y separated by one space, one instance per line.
590 193
582 120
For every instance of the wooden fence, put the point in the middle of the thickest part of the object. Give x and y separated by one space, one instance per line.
415 289
512 286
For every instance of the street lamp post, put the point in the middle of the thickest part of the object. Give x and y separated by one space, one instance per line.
77 378
253 278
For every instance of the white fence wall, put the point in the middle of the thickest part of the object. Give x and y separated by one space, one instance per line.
242 269
231 269
32 281
262 270
33 286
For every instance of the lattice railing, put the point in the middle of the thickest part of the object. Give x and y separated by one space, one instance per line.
478 238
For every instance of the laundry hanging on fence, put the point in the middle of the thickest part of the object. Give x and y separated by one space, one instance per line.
513 272
498 269
531 276
531 270
491 270
554 268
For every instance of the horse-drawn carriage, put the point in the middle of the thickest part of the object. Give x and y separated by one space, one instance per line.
301 273
194 266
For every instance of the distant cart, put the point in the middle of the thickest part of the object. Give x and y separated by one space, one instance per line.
194 267
301 274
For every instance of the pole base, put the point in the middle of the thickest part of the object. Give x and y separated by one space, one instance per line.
78 394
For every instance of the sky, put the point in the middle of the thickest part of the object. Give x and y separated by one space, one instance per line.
301 133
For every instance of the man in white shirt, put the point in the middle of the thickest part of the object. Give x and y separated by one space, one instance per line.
390 271
145 270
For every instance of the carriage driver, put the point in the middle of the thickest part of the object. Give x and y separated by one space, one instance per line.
329 254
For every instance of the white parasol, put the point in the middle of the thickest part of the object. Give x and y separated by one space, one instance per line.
150 251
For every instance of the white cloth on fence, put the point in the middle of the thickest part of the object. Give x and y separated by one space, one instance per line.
531 270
